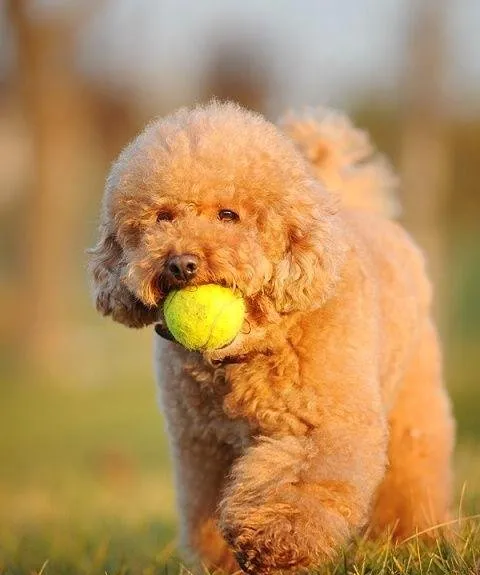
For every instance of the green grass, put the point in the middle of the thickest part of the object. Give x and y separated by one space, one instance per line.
84 480
85 488
142 551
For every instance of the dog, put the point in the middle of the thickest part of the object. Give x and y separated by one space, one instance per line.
327 414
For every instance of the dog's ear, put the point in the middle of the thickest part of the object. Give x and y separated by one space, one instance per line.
112 297
309 270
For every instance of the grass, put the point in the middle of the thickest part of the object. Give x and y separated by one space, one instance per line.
85 488
411 558
84 480
142 551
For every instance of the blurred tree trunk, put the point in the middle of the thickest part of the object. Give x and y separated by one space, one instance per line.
238 72
51 96
425 155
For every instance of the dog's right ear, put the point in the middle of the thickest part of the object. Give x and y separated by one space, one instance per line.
112 297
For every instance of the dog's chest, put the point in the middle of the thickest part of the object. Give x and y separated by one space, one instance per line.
207 390
238 402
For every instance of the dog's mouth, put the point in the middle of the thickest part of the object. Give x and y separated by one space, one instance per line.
163 284
162 330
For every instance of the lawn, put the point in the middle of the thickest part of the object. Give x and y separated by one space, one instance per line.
85 488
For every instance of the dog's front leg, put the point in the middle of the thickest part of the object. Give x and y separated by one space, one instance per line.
201 460
293 500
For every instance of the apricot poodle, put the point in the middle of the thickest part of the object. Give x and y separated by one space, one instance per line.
327 414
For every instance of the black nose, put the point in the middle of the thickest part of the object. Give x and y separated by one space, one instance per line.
182 268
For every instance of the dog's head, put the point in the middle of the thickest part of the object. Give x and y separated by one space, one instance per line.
214 195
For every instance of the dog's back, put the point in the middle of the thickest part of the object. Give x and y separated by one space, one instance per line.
344 159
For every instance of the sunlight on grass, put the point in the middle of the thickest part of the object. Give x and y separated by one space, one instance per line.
414 557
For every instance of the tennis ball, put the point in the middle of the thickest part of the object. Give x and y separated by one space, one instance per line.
204 317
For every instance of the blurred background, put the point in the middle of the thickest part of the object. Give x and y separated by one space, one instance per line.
84 472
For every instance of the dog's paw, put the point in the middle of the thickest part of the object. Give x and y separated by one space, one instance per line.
282 538
274 547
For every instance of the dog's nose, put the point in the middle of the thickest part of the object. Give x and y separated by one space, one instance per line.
183 267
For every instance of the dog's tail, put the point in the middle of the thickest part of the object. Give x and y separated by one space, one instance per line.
344 159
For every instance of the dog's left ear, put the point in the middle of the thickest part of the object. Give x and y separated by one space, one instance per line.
306 276
112 297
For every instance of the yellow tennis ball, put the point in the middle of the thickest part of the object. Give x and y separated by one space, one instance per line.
204 317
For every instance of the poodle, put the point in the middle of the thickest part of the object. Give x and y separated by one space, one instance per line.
327 414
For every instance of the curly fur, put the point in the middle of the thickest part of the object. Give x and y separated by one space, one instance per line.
311 424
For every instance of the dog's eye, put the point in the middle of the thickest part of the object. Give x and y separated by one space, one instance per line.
228 216
164 216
